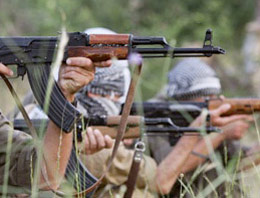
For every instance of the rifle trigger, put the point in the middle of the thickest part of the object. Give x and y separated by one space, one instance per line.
21 71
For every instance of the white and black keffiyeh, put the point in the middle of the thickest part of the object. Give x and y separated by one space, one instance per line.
192 78
111 85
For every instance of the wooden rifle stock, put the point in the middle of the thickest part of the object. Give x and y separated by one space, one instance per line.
238 105
103 47
109 39
97 54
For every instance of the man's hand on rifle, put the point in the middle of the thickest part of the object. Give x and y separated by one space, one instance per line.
236 130
234 127
95 141
217 120
76 73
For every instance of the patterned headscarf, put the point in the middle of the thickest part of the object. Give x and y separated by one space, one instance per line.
192 78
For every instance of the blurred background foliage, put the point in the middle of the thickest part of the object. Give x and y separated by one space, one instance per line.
181 22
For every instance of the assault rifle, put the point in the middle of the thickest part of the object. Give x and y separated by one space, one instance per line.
33 55
136 126
182 113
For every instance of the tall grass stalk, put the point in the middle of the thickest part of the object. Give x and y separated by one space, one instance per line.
212 186
187 189
222 175
187 185
256 128
39 143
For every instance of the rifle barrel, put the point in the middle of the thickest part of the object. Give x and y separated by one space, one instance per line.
131 131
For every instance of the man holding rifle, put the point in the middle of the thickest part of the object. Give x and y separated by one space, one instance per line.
18 153
153 179
102 97
193 80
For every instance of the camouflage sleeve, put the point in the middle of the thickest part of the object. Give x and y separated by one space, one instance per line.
17 153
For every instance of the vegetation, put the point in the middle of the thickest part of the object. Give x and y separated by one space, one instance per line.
181 22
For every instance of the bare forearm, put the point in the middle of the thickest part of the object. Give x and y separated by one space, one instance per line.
56 150
170 168
203 147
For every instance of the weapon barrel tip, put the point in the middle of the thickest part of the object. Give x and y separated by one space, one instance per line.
219 50
222 51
